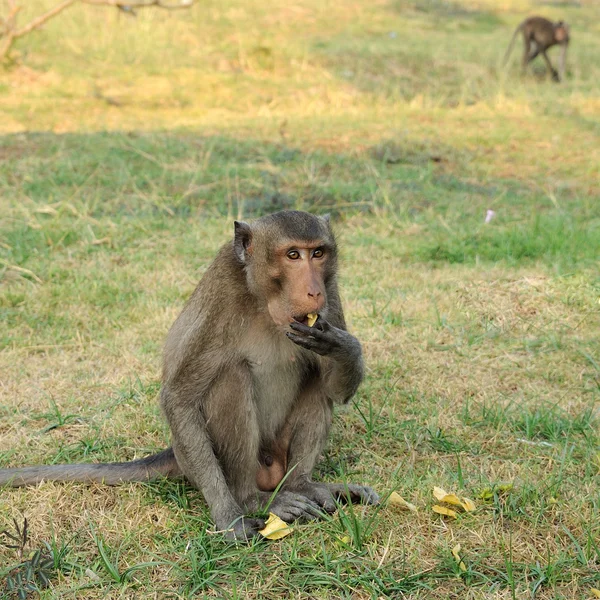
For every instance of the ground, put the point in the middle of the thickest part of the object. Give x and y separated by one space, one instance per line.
129 145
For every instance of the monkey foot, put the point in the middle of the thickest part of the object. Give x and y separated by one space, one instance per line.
289 507
325 495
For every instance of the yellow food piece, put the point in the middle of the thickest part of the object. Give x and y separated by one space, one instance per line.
442 510
275 528
312 318
459 560
397 501
468 505
442 495
595 592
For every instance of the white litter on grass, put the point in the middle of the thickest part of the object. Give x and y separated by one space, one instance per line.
530 443
489 215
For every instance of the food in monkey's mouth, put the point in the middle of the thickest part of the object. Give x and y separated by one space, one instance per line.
310 319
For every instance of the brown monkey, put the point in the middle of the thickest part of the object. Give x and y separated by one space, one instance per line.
543 34
248 387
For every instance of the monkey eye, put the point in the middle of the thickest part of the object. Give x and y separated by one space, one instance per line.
293 255
318 253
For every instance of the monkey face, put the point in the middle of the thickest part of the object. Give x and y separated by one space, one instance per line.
561 32
297 285
289 259
561 35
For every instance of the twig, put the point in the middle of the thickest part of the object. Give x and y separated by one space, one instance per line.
39 21
8 25
141 3
9 32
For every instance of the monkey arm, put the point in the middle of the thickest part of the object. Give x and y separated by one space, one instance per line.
562 61
342 362
203 425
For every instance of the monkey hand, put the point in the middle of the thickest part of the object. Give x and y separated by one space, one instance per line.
326 340
243 529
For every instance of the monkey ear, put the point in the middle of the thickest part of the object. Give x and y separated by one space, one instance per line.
242 239
327 220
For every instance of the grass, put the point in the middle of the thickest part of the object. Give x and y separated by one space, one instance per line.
127 148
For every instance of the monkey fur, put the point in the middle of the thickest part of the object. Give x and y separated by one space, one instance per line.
248 387
539 34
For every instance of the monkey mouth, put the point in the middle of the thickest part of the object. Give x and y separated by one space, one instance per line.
301 319
304 319
308 319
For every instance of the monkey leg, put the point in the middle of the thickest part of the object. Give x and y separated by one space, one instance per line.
562 63
220 456
532 55
287 505
310 422
551 69
527 52
217 447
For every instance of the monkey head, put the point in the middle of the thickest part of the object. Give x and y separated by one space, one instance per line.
289 259
561 32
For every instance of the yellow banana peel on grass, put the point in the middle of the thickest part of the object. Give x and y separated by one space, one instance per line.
395 500
442 495
275 528
458 559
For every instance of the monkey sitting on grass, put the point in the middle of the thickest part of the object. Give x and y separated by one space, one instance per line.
250 379
539 34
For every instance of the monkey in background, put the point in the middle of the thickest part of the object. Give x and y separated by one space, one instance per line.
542 34
249 380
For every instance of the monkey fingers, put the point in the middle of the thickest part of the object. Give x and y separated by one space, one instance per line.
359 494
327 494
244 529
289 507
309 343
326 341
318 493
322 341
318 330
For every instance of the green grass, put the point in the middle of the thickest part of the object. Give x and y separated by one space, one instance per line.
127 148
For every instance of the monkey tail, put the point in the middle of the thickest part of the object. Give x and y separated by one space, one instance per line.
163 464
511 44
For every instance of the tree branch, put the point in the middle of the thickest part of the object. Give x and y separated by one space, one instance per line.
39 21
8 26
9 32
142 3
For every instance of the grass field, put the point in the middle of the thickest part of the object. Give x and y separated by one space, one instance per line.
127 148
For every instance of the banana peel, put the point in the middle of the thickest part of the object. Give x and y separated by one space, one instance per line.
275 528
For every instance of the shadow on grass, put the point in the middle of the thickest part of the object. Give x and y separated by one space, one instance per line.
54 188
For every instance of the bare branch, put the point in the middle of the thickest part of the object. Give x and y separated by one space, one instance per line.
8 26
8 23
142 3
39 21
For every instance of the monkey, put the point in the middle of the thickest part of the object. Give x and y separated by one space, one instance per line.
543 34
248 387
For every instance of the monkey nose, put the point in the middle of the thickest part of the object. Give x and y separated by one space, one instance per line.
316 303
